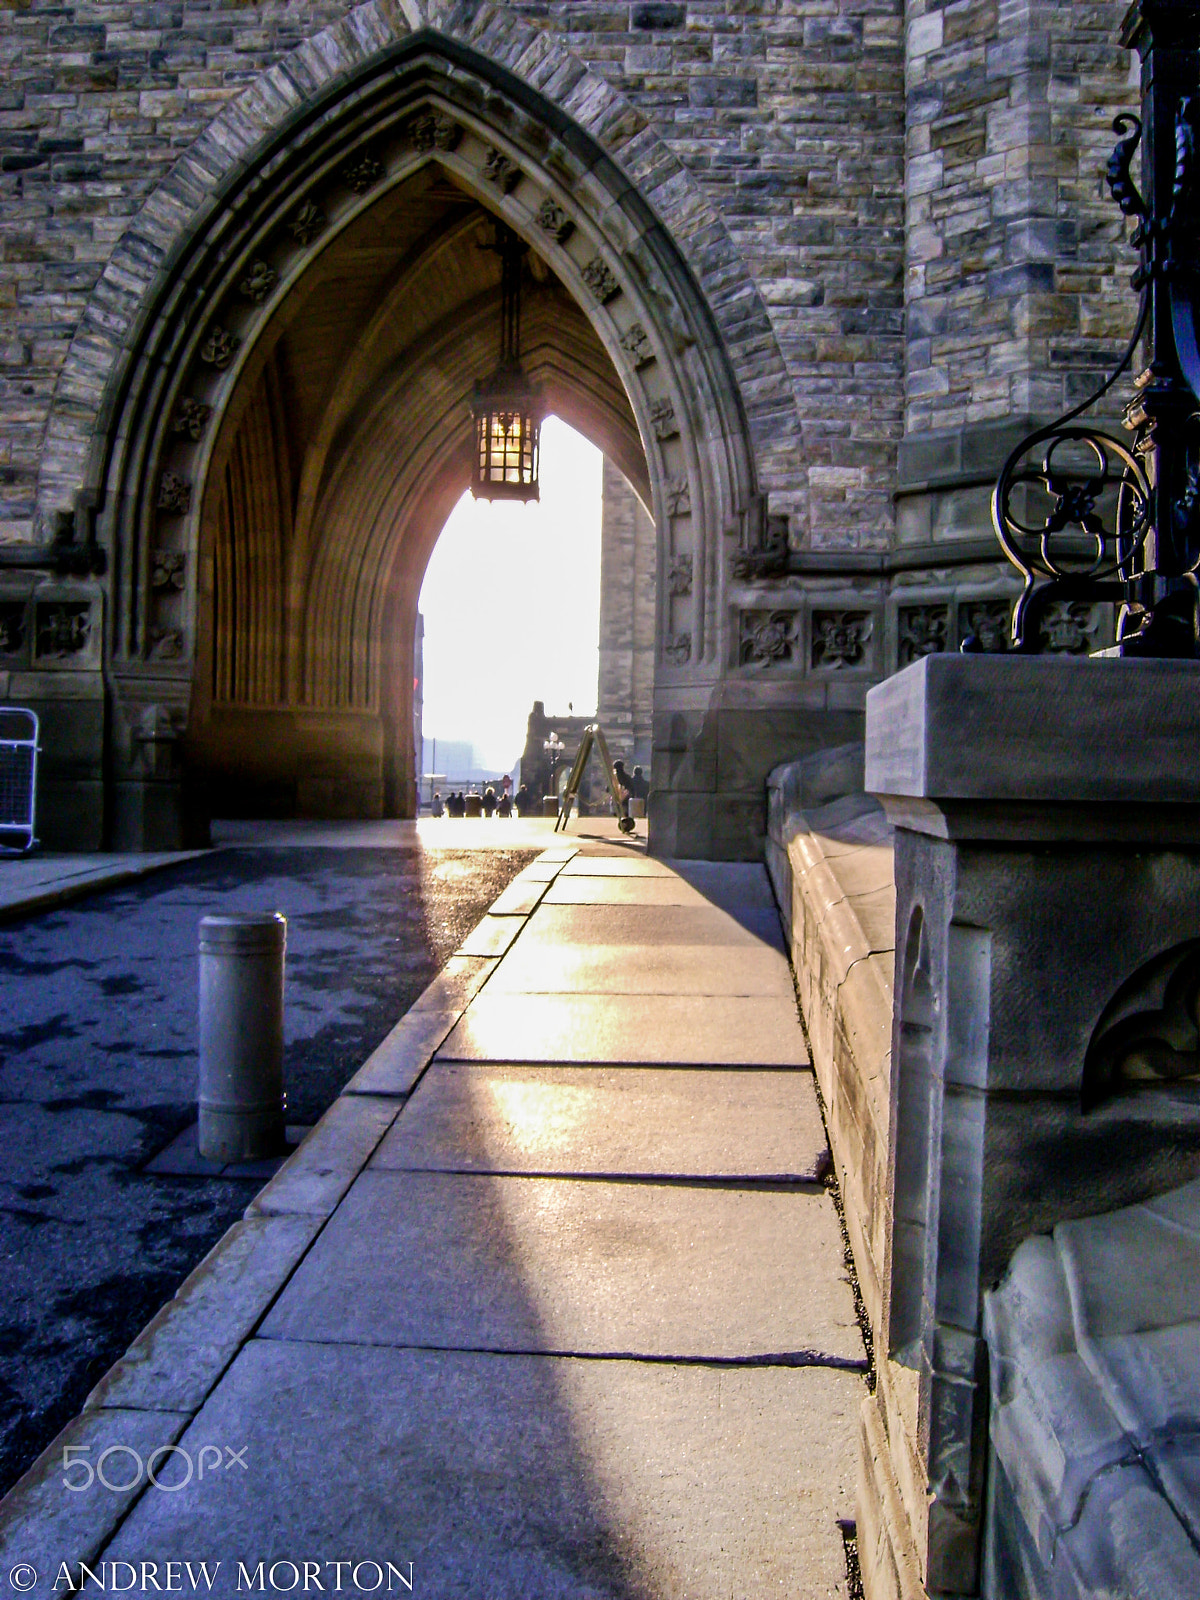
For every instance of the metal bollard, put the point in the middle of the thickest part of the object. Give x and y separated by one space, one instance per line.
241 1036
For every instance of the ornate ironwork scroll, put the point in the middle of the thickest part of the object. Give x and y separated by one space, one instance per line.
1086 516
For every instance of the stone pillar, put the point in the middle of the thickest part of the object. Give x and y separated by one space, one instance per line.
1047 850
628 558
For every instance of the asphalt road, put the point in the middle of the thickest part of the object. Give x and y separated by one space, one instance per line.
98 1076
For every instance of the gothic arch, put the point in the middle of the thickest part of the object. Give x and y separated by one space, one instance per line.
177 321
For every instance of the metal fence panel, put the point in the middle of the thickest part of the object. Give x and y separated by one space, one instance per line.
18 778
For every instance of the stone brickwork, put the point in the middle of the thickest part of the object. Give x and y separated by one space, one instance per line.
825 259
628 561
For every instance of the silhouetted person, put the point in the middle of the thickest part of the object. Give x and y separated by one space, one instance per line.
523 801
504 805
489 801
639 785
435 805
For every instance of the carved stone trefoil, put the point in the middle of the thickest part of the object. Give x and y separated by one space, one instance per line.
923 632
258 282
1068 627
662 419
601 280
433 130
679 578
191 418
988 622
219 347
501 170
767 638
678 496
555 221
174 493
678 648
1148 1036
307 223
635 341
63 628
840 638
168 571
363 173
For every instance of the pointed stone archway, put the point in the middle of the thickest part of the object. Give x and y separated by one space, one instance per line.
167 398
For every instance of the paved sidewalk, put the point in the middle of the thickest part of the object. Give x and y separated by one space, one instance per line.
550 1304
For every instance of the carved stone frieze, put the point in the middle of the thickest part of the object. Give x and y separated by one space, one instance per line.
602 282
174 493
1069 627
258 282
768 638
191 418
168 571
307 223
678 496
987 621
678 648
62 628
555 221
840 638
219 347
433 130
363 173
679 577
501 170
14 627
635 341
924 631
663 420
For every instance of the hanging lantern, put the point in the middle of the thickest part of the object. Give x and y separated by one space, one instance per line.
506 407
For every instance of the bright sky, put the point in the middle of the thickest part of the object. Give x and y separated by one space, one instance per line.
511 601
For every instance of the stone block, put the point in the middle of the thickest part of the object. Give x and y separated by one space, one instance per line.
393 1068
314 1180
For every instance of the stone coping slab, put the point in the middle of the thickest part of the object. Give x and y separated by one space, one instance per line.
491 936
634 866
658 1030
38 882
394 1067
438 1260
175 1362
457 983
42 1523
326 1164
519 1478
611 1121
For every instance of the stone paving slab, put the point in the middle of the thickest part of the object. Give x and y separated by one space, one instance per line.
518 1478
622 891
176 1360
606 1121
39 881
731 885
580 926
660 1030
587 865
394 1067
437 1260
542 966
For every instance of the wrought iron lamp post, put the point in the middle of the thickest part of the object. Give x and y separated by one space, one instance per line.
1085 515
506 407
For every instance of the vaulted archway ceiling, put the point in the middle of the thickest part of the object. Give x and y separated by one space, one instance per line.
348 441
